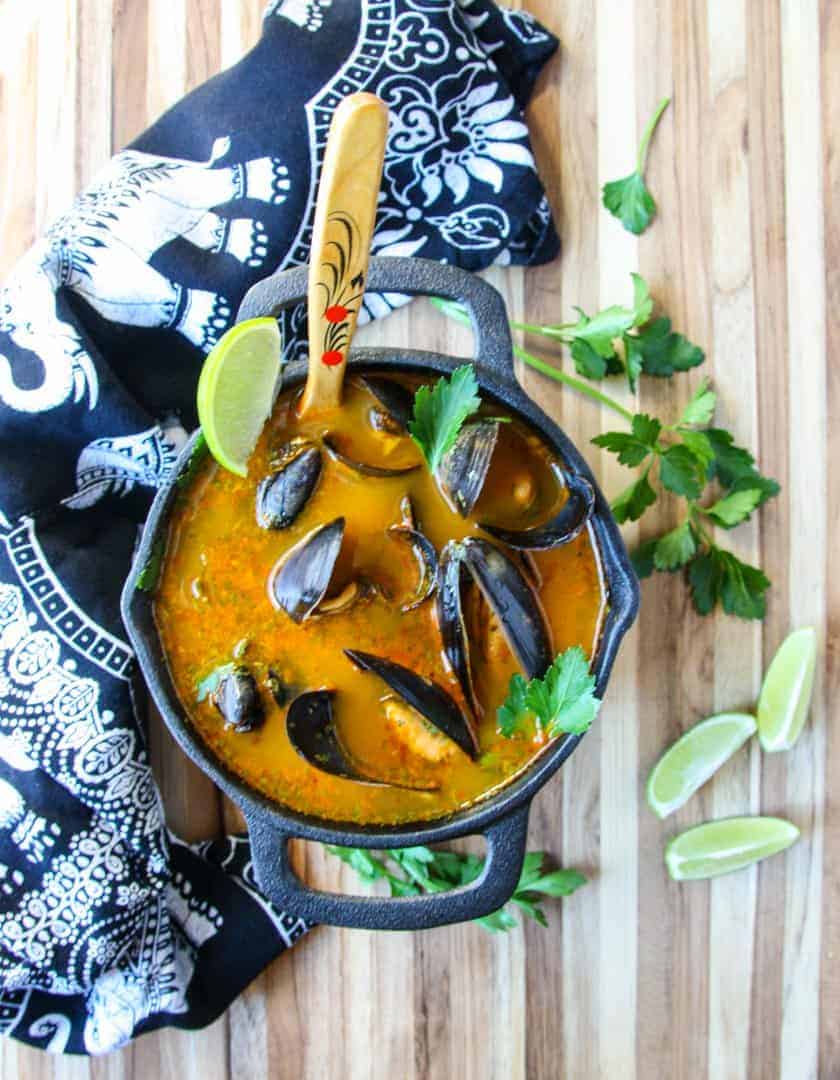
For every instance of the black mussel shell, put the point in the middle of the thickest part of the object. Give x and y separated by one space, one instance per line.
513 601
429 699
238 700
450 617
427 562
395 399
311 730
299 582
464 468
283 494
563 527
364 467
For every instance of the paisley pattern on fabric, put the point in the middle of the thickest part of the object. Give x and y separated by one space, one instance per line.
108 923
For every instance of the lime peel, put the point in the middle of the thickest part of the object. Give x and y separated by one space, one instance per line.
236 390
729 844
694 758
786 691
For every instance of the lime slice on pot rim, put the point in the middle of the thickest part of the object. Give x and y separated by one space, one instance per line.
236 390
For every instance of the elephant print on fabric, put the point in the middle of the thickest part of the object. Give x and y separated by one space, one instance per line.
100 250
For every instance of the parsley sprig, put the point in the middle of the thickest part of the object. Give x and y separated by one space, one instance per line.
563 701
440 412
414 870
690 459
628 199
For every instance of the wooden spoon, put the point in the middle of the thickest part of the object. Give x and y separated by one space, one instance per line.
344 221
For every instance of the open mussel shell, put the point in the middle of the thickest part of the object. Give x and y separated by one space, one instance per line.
566 524
311 730
238 700
429 699
283 493
464 467
299 582
427 563
363 467
510 596
514 602
450 617
396 401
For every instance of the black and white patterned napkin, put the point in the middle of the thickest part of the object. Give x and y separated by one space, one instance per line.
109 925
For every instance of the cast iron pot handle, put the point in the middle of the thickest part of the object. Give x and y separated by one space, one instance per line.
490 891
414 277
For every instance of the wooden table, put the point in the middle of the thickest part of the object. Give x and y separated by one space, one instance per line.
635 976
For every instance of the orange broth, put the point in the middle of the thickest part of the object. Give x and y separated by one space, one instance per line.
212 605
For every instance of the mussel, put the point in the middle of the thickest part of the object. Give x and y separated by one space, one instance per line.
238 700
396 404
311 730
299 581
427 563
513 601
464 467
511 598
364 467
429 699
450 617
283 493
566 524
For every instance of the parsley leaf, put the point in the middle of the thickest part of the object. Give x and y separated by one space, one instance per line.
587 361
630 450
512 713
734 508
414 870
675 548
642 558
656 350
440 411
681 472
210 683
718 575
628 199
646 429
602 329
701 408
562 701
700 446
634 500
734 467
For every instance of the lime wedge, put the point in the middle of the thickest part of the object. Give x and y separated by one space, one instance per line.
719 847
786 691
236 390
697 755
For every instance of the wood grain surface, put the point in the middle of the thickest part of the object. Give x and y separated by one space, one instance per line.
636 977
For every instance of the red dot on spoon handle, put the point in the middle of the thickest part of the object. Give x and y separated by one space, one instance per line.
331 358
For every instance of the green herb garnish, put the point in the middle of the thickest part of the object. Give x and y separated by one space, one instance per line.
415 870
440 412
210 683
562 702
628 199
149 576
702 465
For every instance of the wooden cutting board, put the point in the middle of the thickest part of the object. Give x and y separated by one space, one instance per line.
635 976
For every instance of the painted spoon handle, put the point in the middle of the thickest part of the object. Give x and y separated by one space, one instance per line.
344 221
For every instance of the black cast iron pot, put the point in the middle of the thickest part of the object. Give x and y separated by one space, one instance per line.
501 818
